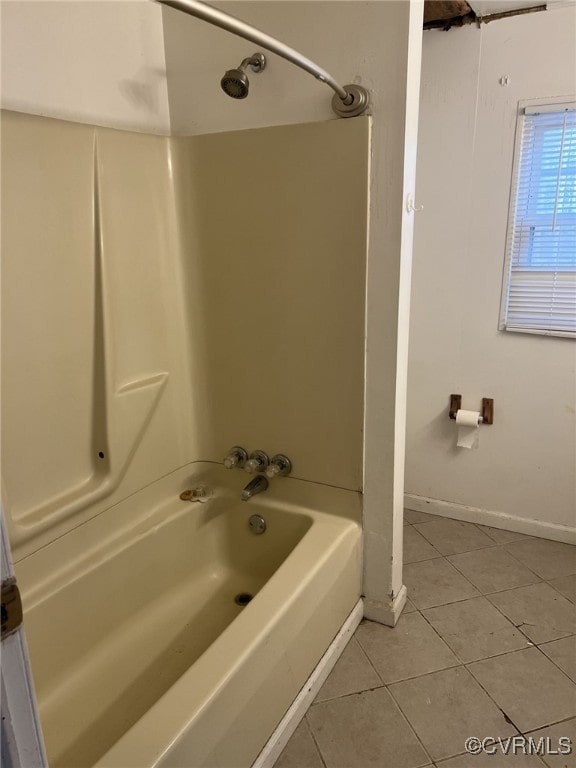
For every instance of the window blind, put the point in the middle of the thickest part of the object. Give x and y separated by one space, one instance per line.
540 267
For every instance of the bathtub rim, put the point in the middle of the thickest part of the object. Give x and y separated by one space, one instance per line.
85 547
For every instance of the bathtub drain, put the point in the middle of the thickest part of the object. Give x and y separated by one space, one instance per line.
243 598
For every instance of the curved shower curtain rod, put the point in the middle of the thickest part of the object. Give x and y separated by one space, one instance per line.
348 101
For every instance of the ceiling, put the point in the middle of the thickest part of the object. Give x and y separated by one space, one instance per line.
488 7
444 14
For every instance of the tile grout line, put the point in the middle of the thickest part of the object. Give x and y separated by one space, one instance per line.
444 760
477 597
464 552
519 626
524 564
445 558
550 725
485 596
506 653
378 675
378 688
566 675
507 589
462 662
494 543
459 663
507 717
452 666
451 602
546 725
557 590
495 591
447 757
311 732
542 578
478 526
507 618
557 639
502 543
409 724
426 674
424 560
438 553
348 695
393 682
465 665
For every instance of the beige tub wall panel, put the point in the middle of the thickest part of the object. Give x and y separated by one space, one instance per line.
142 301
48 311
278 217
92 323
194 315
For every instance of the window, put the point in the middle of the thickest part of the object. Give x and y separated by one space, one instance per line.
539 293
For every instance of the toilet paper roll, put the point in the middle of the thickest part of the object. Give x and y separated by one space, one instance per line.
468 422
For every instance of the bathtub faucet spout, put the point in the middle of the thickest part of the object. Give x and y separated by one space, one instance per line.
257 485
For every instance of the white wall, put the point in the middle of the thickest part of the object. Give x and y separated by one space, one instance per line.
92 62
377 44
355 43
524 467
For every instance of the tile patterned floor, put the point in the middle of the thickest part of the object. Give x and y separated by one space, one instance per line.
486 646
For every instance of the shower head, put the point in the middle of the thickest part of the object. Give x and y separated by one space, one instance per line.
235 82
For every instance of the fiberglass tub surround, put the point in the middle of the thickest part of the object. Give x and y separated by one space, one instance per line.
142 339
143 641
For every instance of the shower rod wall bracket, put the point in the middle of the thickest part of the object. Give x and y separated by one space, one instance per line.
358 104
342 104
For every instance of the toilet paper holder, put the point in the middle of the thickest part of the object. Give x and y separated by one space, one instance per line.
486 413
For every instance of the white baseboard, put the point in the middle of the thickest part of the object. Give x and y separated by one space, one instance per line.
488 517
386 613
290 721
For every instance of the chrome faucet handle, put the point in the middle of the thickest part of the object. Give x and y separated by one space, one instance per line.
236 457
280 465
258 462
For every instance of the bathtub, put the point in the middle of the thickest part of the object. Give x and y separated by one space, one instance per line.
141 655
